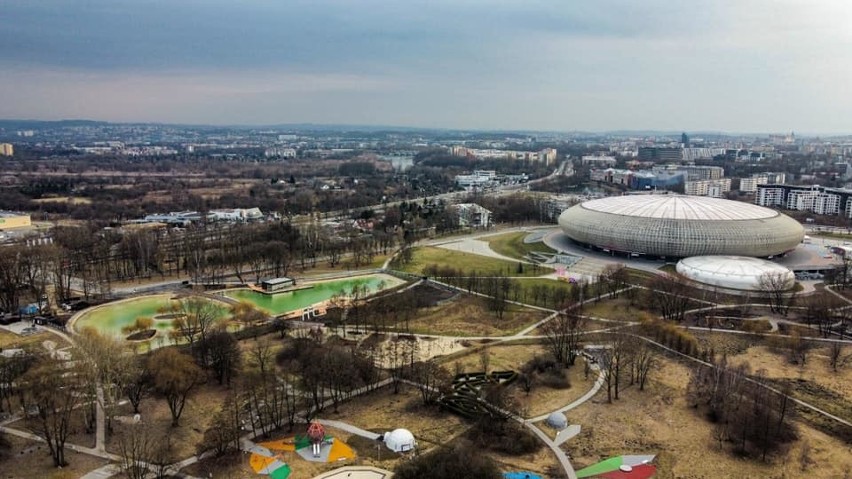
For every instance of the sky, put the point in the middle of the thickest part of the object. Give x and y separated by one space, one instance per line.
681 65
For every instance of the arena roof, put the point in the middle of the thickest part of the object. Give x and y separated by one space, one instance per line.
679 207
676 226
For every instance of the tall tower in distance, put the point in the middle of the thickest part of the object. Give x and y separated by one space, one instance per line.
684 140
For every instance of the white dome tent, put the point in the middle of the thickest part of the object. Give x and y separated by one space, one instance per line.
557 420
400 440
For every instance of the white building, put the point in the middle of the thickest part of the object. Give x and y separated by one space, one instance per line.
692 154
815 201
277 152
473 215
477 179
749 185
770 197
714 188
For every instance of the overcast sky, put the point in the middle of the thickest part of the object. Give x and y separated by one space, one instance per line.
721 65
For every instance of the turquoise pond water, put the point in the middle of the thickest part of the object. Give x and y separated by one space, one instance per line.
112 318
280 303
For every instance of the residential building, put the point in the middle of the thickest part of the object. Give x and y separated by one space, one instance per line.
473 215
814 198
598 161
714 188
749 185
695 173
6 149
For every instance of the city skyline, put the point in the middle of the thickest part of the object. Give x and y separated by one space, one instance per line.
756 66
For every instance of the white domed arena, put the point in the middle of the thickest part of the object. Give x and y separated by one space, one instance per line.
676 226
736 272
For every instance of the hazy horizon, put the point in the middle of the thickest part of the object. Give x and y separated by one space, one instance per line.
710 66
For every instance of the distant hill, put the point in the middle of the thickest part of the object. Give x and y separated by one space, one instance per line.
39 124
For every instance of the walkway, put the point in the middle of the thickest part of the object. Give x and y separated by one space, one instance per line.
356 472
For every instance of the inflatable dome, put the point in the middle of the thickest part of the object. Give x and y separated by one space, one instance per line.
400 440
557 420
736 272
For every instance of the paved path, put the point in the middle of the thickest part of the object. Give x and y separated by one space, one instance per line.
104 472
481 248
373 436
589 395
356 472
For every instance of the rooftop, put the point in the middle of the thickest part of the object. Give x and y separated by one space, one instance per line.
679 208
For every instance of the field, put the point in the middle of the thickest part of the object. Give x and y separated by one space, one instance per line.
513 246
467 263
65 199
28 459
9 340
658 421
468 315
511 357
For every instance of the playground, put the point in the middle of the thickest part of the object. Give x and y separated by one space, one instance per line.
279 458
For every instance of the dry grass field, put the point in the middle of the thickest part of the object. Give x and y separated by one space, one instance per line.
658 421
469 316
541 399
28 460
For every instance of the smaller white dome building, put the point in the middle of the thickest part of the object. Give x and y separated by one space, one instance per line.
735 272
557 420
400 440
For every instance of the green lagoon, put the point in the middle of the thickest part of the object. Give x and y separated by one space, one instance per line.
111 318
280 303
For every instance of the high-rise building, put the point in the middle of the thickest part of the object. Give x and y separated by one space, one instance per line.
660 154
715 188
6 149
684 140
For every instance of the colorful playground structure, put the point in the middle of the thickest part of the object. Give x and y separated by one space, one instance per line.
315 446
621 467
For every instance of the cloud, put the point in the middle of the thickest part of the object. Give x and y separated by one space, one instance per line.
703 64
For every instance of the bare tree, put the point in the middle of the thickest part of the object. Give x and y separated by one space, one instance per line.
775 285
175 375
668 294
614 277
108 365
562 336
642 361
431 379
194 320
835 355
224 433
55 392
136 447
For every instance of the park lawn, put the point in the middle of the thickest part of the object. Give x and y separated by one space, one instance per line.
512 357
814 382
10 340
513 246
659 421
197 417
382 411
468 263
469 315
27 459
618 309
528 284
